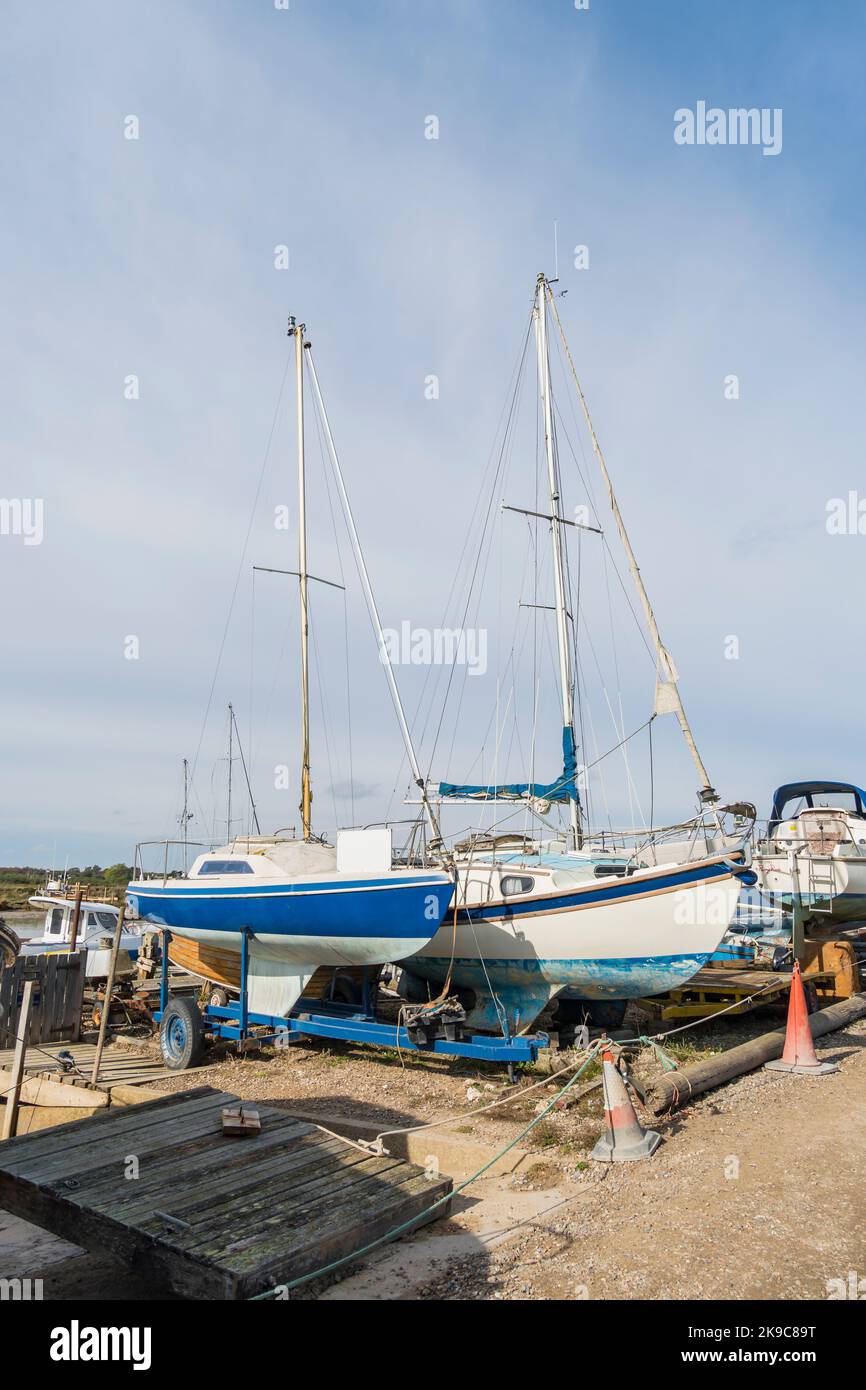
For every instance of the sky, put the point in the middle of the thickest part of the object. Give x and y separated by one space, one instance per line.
147 408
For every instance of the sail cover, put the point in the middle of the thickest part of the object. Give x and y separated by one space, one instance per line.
563 789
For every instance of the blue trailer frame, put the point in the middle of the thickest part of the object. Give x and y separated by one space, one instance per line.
346 1023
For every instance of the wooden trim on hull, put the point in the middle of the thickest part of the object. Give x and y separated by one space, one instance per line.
211 963
221 967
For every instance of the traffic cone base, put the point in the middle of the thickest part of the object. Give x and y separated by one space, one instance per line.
800 1068
625 1140
798 1057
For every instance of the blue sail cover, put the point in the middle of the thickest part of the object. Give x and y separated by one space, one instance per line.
563 789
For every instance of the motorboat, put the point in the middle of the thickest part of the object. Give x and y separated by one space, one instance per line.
813 857
97 926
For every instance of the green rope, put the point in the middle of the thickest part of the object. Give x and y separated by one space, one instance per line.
440 1201
668 1063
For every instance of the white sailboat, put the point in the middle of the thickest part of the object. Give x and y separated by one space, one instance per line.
575 913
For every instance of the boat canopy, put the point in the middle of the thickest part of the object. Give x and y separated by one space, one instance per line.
792 791
563 789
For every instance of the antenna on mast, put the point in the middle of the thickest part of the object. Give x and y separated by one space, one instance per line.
186 813
229 802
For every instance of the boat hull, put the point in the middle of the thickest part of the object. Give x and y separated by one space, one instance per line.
292 929
831 886
599 941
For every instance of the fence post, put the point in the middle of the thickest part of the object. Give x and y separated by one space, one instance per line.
109 986
10 1117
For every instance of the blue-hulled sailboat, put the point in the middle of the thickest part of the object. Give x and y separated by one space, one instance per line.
293 905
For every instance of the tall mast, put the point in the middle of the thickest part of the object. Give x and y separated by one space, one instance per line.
229 802
373 611
306 789
668 692
565 669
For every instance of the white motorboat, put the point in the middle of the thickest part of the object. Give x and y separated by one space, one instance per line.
97 924
813 857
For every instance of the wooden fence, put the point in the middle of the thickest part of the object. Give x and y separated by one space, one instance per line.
57 997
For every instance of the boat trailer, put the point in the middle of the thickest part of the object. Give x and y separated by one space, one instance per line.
436 1029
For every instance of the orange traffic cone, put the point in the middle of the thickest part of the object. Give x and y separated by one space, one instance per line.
625 1138
799 1054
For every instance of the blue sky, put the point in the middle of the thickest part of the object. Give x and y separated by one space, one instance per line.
410 257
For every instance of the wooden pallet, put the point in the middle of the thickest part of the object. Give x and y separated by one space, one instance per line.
717 988
119 1066
216 1217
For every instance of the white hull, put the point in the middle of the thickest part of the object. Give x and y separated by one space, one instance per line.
601 941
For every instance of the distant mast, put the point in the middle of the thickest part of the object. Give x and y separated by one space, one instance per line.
556 522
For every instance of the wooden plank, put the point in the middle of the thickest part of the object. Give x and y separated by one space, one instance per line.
63 1141
190 1163
413 1203
265 1208
141 1139
40 1090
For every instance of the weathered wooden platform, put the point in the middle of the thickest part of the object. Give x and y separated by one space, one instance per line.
217 1217
119 1066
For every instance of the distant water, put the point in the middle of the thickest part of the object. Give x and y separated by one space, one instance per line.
26 922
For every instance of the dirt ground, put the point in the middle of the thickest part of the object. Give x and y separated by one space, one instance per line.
755 1192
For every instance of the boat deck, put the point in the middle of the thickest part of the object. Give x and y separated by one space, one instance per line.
160 1186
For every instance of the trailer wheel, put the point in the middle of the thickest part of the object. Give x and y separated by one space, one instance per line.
181 1035
218 997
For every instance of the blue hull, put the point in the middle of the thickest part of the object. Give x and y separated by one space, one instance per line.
409 908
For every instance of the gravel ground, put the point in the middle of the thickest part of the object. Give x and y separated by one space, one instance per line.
756 1191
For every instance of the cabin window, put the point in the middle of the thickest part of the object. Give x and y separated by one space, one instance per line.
610 871
226 866
55 922
516 883
106 921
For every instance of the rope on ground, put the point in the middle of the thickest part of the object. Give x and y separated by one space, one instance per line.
668 1064
440 1201
375 1145
592 1052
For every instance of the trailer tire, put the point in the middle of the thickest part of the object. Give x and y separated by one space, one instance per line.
217 996
181 1035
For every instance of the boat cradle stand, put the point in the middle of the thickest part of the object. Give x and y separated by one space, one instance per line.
322 1018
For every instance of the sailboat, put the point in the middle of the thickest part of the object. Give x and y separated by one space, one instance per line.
581 915
286 906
